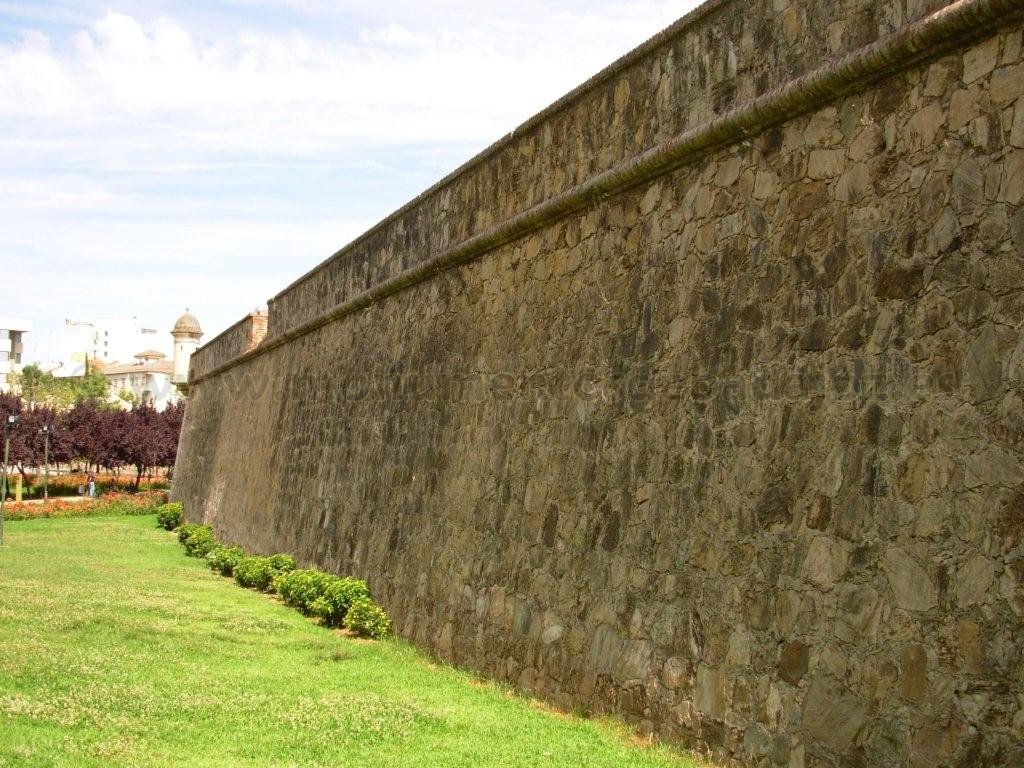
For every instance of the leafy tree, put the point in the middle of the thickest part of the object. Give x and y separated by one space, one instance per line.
128 396
39 387
143 433
96 434
174 416
92 386
27 440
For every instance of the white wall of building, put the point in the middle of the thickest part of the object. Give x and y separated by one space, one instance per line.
123 347
12 332
106 340
149 388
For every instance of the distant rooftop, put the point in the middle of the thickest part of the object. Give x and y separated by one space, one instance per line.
147 366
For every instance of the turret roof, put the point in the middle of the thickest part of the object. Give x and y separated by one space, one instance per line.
187 325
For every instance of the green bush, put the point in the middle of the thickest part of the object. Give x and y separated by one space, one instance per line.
339 597
367 619
131 507
168 516
200 541
282 563
260 572
186 530
300 588
336 601
320 594
224 559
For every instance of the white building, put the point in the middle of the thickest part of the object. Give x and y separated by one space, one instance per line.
152 379
103 340
147 381
11 348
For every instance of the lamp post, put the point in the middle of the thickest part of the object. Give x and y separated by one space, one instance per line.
11 423
46 462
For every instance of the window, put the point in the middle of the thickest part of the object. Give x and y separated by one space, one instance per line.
4 357
5 334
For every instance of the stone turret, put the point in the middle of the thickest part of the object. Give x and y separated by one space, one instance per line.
186 333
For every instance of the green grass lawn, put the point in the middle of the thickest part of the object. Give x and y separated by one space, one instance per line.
117 649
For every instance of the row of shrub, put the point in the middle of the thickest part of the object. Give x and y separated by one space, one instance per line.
336 601
108 504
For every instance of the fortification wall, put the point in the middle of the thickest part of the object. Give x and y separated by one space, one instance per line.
242 337
728 441
723 54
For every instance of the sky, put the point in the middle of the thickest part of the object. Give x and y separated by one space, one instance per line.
158 155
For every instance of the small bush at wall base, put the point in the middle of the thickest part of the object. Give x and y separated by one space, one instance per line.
224 559
168 516
336 601
260 572
186 530
200 541
281 564
320 594
367 619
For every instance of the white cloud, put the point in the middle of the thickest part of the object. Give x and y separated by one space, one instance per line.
216 158
292 94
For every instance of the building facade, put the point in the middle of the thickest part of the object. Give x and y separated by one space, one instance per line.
103 340
147 381
152 379
12 331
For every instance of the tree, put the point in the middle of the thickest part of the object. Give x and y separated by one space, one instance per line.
96 434
38 387
27 439
84 426
144 444
128 396
174 416
92 386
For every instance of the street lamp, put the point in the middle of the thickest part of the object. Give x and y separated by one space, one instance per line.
46 462
11 423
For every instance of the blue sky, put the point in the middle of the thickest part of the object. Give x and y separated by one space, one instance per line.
155 155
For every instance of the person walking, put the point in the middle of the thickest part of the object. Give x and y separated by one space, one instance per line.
90 486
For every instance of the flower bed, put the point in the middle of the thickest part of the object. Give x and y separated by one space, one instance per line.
117 503
69 484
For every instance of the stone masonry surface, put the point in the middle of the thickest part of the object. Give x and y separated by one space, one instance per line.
737 453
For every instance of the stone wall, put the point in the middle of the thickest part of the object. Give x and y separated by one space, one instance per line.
242 337
723 54
733 450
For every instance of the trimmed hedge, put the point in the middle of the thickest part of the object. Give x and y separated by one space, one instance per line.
224 559
259 572
367 619
199 541
320 594
186 530
337 601
168 516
